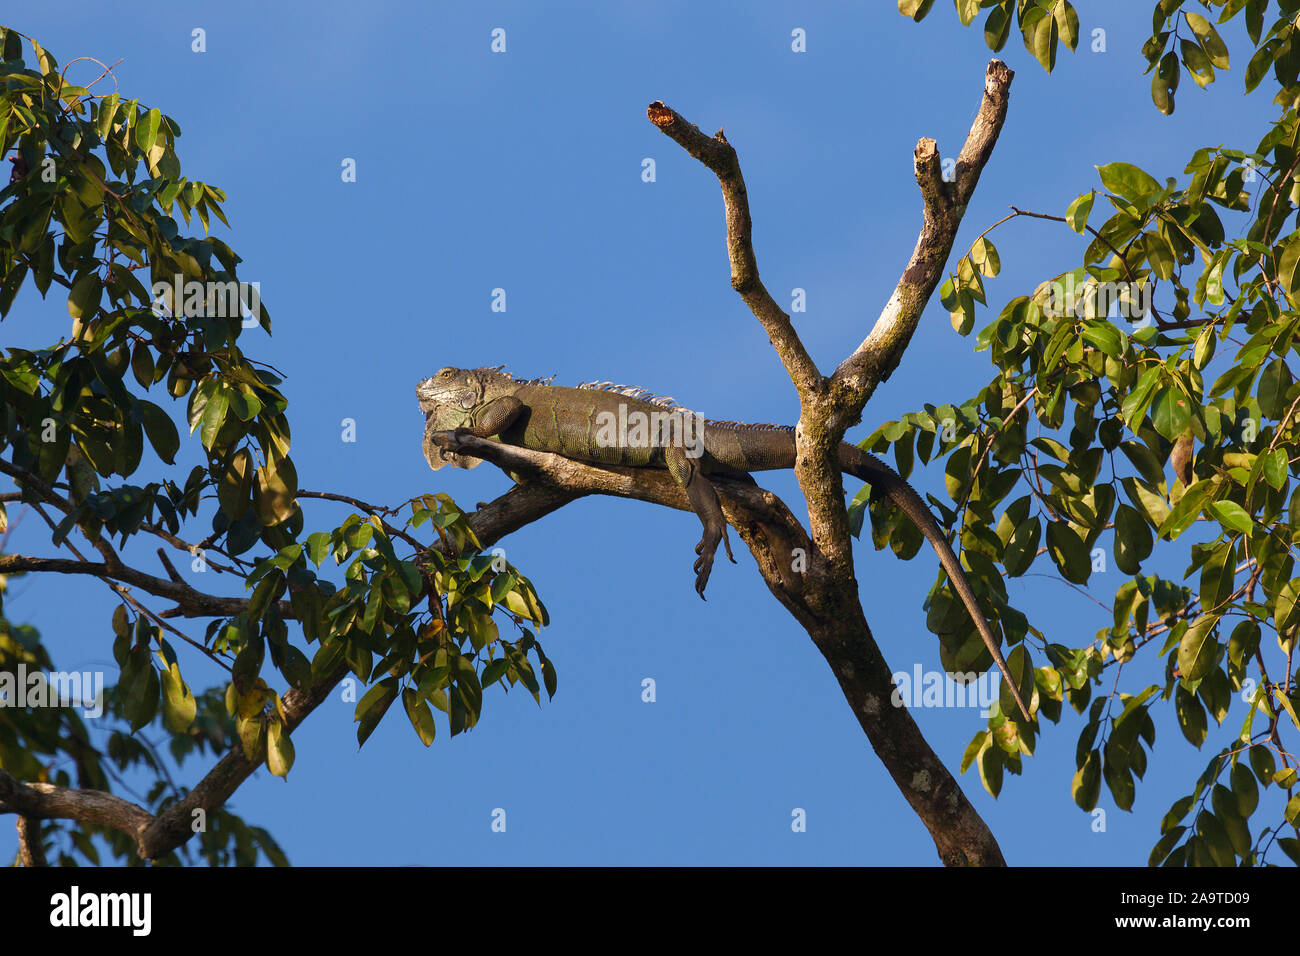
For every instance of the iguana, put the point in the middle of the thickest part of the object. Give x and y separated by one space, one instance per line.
615 425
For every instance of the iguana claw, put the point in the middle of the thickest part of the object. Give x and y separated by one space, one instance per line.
703 566
449 439
706 549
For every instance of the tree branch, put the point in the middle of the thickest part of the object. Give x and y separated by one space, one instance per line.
157 836
189 602
944 205
718 155
31 852
46 801
775 537
825 600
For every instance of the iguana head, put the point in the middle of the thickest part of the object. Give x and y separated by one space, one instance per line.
447 400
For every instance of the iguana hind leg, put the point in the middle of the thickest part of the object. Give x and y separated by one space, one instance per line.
704 502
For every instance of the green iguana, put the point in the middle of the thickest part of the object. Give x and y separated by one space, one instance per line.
616 425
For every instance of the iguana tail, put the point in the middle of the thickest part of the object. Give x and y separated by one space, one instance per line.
884 480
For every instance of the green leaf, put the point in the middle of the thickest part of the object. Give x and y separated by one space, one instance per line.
1163 263
276 487
1263 763
161 430
372 707
146 130
991 767
1164 82
916 9
279 749
1285 614
998 26
252 736
139 687
1166 843
1198 650
421 717
1067 23
83 299
1197 63
105 114
1291 847
1069 552
1136 401
1171 412
1086 786
1259 65
1275 467
1188 508
1216 577
13 44
974 749
179 706
214 416
1285 703
1023 547
1105 337
1191 716
268 589
1255 19
967 11
235 484
1215 49
1133 539
1231 515
1176 813
985 256
1274 383
1042 43
1077 213
1127 181
318 547
494 671
1212 831
1292 811
1244 789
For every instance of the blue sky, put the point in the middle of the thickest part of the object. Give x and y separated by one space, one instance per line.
522 171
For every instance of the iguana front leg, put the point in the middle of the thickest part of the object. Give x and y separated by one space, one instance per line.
704 502
493 418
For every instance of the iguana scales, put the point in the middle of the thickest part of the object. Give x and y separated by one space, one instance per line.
616 425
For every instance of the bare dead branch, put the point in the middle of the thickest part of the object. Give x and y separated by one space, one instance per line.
825 599
719 156
944 205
